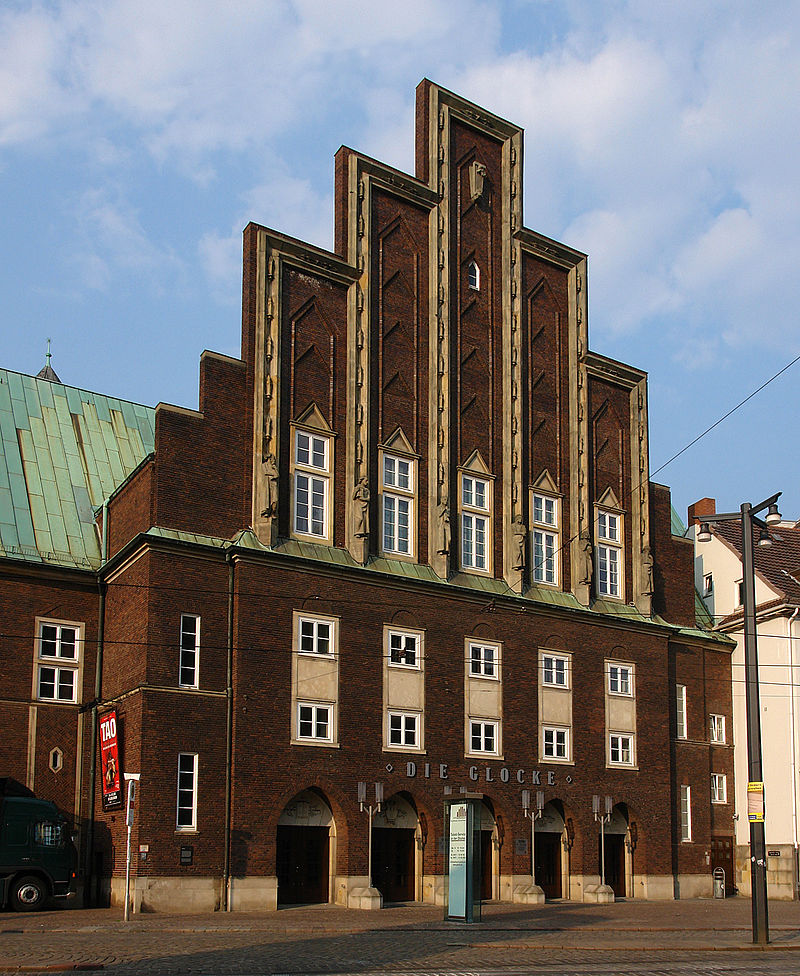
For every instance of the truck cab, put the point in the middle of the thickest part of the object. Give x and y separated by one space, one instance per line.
37 857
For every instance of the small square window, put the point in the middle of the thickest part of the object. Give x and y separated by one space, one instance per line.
620 679
404 730
315 636
483 737
621 749
314 722
555 743
554 670
483 659
403 649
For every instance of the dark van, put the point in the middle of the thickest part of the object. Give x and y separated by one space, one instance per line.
37 857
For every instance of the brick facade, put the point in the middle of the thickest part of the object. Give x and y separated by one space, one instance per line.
447 338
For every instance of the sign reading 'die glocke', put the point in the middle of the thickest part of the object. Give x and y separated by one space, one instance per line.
109 761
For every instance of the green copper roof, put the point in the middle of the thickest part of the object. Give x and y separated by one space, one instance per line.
63 451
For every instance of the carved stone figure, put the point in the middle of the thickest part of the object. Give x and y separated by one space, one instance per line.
361 498
443 528
647 570
269 472
520 532
587 560
477 179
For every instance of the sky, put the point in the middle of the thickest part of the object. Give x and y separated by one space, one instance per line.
137 139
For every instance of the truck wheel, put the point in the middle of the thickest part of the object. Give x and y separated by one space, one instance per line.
28 894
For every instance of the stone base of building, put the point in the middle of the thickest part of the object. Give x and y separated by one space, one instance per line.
782 872
180 895
253 894
654 887
694 886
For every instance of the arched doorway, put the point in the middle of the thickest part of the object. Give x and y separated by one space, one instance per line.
306 847
395 836
616 831
549 829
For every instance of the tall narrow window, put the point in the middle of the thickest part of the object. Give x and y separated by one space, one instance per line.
58 653
187 791
397 505
189 664
475 535
680 700
717 728
686 813
474 276
545 539
609 554
311 484
719 788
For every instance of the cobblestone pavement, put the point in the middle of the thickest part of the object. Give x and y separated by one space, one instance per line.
706 938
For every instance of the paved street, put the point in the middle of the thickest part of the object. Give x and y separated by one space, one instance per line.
707 938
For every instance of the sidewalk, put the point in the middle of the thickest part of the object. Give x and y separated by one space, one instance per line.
329 938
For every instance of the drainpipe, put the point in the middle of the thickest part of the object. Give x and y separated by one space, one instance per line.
226 869
796 861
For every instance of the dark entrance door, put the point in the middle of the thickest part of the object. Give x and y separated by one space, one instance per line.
302 865
722 857
393 863
485 890
615 863
548 863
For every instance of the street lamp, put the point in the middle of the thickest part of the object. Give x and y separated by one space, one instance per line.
755 774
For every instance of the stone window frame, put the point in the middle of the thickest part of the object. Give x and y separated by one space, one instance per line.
57 662
185 651
398 493
419 638
476 666
555 656
606 545
472 723
404 714
309 470
316 619
546 529
631 761
314 739
621 667
476 514
555 730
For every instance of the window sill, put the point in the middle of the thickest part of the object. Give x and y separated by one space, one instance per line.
613 765
416 750
319 743
183 831
556 762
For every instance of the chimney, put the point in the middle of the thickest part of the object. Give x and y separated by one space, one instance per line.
701 509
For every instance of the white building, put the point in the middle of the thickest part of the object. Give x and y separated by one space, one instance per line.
718 576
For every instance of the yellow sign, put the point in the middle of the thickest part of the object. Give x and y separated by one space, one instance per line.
755 802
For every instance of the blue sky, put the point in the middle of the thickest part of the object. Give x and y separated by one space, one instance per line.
137 139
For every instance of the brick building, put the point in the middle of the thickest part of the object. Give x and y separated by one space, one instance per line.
408 538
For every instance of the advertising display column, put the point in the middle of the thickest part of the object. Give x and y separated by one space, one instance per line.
462 820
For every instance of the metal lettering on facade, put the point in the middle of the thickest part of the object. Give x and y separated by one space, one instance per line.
489 774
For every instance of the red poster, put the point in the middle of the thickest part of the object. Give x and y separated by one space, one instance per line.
109 761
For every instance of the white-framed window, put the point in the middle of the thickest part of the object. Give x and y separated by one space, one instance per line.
620 679
719 788
398 486
609 554
403 729
555 670
312 484
473 276
476 505
186 815
58 661
680 706
708 584
316 635
404 649
189 661
686 814
314 722
544 509
484 660
717 728
555 742
621 749
484 737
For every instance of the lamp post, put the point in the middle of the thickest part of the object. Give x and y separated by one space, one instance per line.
602 814
534 812
371 810
758 856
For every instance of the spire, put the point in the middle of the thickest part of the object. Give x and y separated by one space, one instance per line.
47 372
